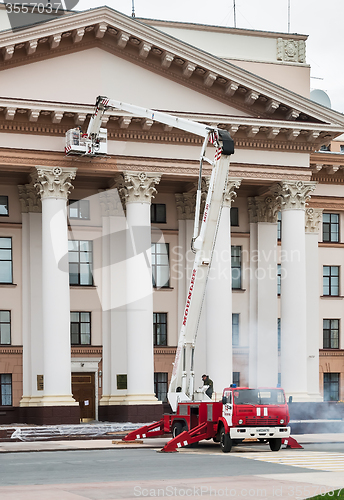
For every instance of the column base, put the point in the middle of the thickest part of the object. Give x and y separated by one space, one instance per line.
50 415
316 397
135 413
59 400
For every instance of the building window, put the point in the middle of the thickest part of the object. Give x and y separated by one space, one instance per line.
234 216
5 327
331 280
4 205
5 260
160 328
160 265
235 330
325 147
279 225
160 386
80 262
6 389
158 213
279 334
342 148
331 333
80 328
331 386
331 228
79 209
236 267
279 275
236 378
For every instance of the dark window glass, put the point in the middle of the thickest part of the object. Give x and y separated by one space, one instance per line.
5 327
236 267
158 213
79 209
331 280
160 265
324 147
279 225
331 333
5 260
234 216
160 386
4 205
331 386
80 262
331 228
235 329
236 378
279 274
160 328
6 389
80 328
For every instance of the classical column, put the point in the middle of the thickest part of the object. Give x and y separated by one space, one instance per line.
54 186
32 329
113 296
219 300
312 225
292 196
137 190
263 351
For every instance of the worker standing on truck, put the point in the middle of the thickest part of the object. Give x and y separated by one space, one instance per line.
209 382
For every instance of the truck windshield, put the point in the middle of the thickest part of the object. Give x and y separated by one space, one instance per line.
259 397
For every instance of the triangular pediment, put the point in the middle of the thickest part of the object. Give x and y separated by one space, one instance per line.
106 50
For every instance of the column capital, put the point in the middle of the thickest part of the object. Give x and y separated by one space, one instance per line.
313 218
137 187
230 194
293 195
263 209
28 197
186 204
110 203
54 182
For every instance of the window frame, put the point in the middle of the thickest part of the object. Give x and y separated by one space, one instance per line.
235 330
328 338
11 260
234 218
2 384
330 278
157 386
5 323
279 225
236 266
79 333
156 266
330 224
236 378
80 262
328 386
5 204
78 202
156 334
154 215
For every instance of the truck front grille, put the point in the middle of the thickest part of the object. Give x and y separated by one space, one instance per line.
261 421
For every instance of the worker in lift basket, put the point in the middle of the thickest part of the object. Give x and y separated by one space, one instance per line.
209 382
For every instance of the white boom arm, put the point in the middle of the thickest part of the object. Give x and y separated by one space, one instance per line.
182 382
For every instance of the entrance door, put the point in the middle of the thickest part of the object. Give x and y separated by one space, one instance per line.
83 390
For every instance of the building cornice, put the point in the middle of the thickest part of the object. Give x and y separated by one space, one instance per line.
55 118
161 51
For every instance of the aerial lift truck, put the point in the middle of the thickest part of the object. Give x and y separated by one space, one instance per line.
243 413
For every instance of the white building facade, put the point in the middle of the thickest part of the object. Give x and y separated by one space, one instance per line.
95 252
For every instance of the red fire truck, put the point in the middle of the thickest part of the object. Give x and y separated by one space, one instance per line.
243 413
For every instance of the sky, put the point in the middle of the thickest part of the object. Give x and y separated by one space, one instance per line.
321 20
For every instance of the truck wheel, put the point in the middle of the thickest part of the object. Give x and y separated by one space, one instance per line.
177 428
225 441
275 444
